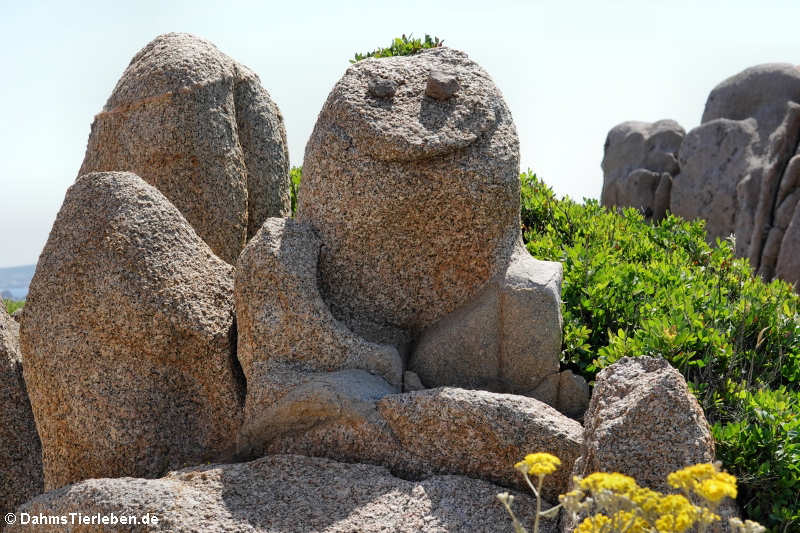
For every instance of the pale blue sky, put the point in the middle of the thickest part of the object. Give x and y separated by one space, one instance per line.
569 71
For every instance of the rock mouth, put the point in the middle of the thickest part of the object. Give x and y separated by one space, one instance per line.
397 120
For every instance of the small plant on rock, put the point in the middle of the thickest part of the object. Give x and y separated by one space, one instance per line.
402 46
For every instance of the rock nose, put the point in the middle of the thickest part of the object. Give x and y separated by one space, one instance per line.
441 85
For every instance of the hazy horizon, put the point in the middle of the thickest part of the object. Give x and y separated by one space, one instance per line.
569 73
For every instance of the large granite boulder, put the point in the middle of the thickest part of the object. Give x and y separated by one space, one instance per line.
20 450
415 197
644 422
436 431
128 338
639 161
199 127
286 494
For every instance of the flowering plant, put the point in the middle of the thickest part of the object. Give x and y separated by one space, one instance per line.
615 503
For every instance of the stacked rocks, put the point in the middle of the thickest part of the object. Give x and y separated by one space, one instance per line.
147 351
739 170
414 192
199 127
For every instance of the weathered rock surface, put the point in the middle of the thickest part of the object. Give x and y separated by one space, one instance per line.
639 161
416 199
476 433
287 494
504 339
714 158
435 431
129 354
199 127
20 450
642 421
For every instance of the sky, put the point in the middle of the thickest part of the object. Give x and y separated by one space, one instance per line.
569 71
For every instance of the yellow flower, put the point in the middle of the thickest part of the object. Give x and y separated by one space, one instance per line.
614 482
687 478
713 490
593 524
629 522
705 480
676 514
538 464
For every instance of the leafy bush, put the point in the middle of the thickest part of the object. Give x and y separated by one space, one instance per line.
634 288
402 46
12 305
295 175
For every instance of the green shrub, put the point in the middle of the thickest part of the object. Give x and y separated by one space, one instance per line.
632 288
295 175
402 46
12 305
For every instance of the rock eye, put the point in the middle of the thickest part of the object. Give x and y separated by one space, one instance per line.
382 87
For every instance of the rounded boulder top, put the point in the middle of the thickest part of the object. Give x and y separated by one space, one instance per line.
759 92
199 127
413 107
169 63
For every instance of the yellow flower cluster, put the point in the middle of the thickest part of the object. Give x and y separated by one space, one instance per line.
706 481
538 464
621 497
619 521
614 482
616 503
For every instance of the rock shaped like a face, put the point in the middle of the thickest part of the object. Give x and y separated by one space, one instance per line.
127 336
20 450
415 198
199 127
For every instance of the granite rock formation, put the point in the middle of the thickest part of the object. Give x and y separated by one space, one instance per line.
199 127
436 431
128 341
504 339
20 450
740 169
288 494
639 162
411 181
315 388
642 421
415 199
